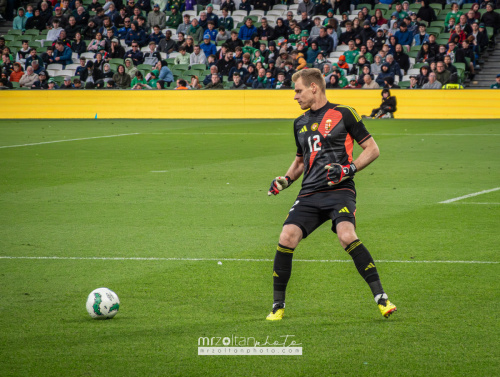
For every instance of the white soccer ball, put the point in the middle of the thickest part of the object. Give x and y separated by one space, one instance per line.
103 303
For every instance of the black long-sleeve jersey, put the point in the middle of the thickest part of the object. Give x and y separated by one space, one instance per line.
326 136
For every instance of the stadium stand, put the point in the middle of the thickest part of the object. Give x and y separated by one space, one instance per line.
346 41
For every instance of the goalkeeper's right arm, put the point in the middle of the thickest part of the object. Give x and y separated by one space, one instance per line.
294 172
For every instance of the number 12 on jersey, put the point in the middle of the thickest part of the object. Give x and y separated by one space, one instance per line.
314 145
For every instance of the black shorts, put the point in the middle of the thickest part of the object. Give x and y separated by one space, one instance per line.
311 211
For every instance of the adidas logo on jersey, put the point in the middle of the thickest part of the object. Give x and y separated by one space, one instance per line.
303 129
344 210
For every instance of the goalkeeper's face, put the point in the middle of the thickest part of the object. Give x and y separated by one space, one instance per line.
304 95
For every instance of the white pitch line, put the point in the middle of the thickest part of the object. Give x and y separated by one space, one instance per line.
286 134
469 195
240 260
479 203
159 171
62 141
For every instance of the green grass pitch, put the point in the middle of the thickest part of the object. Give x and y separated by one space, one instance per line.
198 189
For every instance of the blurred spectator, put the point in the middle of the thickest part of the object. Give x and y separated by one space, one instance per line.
62 53
90 30
325 43
23 52
181 85
37 68
387 108
491 18
496 85
139 81
157 35
42 82
413 82
237 82
135 54
207 46
32 57
225 65
215 83
81 67
53 33
245 5
20 20
183 57
225 20
81 16
229 5
77 83
91 74
152 78
79 46
121 78
28 78
353 84
52 85
152 56
166 44
184 26
195 31
17 73
426 13
136 35
202 21
423 77
48 56
67 83
36 22
247 30
195 83
97 43
369 83
262 81
208 78
306 6
442 74
432 83
107 73
198 56
165 74
116 51
157 17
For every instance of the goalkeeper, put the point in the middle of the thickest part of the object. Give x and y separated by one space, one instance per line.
324 137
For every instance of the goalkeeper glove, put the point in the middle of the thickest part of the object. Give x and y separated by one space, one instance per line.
279 184
337 173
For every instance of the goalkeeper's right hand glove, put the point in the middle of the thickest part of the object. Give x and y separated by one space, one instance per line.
279 184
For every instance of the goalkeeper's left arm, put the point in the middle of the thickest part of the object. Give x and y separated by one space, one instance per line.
294 172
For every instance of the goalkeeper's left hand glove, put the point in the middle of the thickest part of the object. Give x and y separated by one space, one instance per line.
337 173
279 184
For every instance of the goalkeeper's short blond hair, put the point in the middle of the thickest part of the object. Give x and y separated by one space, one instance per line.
311 75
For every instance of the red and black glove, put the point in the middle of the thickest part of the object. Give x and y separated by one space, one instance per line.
338 173
279 184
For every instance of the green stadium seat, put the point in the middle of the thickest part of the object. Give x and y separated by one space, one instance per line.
361 6
415 48
24 88
146 67
467 6
415 7
418 65
263 42
16 44
170 61
413 54
459 66
47 43
32 32
253 17
435 29
15 32
44 32
9 37
181 67
404 84
15 84
198 67
436 6
442 41
382 6
116 61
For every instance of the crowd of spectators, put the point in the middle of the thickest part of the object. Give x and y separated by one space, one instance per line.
258 44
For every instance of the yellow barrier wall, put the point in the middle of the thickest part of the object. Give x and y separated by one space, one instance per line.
232 104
